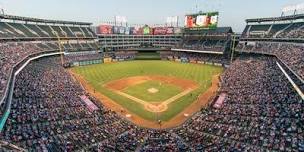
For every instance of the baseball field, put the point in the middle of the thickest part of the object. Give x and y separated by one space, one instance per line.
150 91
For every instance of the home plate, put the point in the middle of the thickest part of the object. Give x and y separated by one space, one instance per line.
152 90
186 115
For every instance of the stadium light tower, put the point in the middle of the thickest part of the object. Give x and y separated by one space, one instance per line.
196 6
1 9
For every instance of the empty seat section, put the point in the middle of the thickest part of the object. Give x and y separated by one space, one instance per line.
59 31
4 32
85 45
67 31
86 32
77 31
23 29
68 46
13 32
47 29
37 30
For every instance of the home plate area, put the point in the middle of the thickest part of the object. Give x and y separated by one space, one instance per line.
153 90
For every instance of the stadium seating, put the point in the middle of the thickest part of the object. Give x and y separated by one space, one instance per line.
262 111
194 57
14 52
276 30
290 53
19 30
125 55
11 54
54 117
204 45
207 40
82 56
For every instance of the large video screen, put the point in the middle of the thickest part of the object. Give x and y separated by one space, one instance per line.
105 29
202 21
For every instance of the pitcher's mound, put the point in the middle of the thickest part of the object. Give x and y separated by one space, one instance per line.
152 90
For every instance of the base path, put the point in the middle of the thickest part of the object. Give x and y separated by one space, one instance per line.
118 85
202 100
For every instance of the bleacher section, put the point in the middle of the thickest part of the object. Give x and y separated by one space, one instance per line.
274 28
282 40
115 41
212 40
18 30
23 37
24 30
194 57
290 53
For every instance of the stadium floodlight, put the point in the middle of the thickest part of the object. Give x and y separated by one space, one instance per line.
1 9
300 7
293 8
172 21
288 8
120 20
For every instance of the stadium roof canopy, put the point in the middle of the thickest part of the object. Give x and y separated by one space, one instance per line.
29 19
270 19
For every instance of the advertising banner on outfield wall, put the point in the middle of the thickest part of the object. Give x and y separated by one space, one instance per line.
170 31
116 30
160 31
105 29
127 30
132 30
177 30
137 31
122 30
119 30
165 31
146 30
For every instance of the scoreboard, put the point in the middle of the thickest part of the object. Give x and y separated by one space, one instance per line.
199 21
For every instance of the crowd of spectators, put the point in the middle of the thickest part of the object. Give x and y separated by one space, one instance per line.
290 53
82 56
296 30
47 113
194 57
125 55
262 112
203 45
11 54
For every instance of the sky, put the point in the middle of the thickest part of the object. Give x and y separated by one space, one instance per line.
232 12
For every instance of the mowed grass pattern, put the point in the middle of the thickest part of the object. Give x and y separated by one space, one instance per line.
99 74
165 91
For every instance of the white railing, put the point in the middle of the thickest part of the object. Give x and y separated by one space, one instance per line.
291 81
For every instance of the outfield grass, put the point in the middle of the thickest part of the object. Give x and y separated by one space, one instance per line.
165 91
99 74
